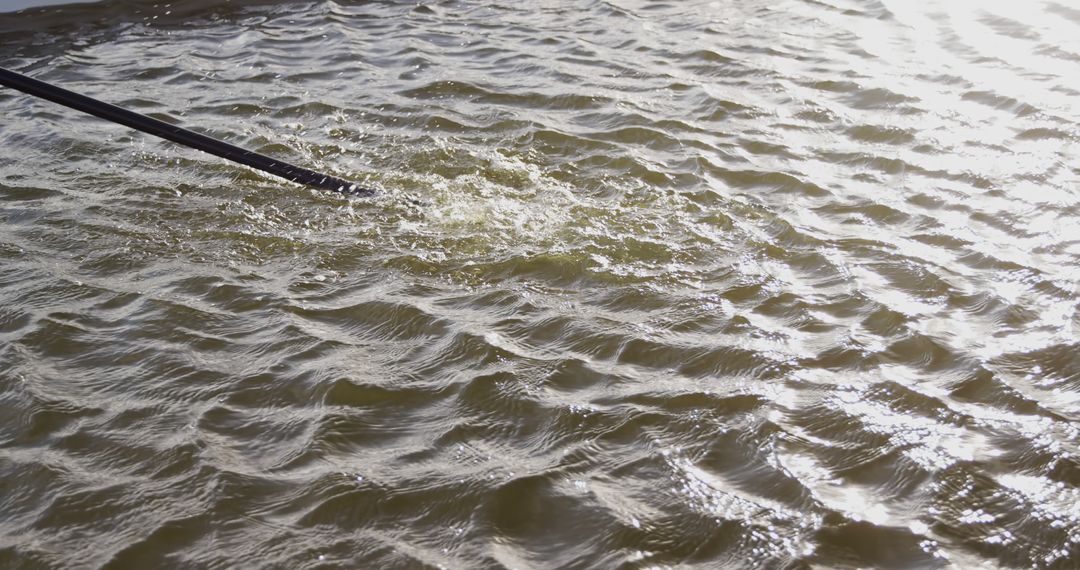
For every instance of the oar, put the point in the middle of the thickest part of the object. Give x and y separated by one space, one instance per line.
177 134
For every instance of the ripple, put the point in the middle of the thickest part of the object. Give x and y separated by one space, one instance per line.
708 284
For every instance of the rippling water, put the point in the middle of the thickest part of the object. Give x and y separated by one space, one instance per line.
780 284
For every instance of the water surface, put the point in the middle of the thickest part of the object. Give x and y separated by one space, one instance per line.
785 284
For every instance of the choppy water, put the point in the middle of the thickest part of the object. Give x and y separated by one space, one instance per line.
781 284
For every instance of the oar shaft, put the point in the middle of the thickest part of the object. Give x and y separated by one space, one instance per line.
175 134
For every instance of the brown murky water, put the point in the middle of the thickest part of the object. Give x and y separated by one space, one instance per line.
784 284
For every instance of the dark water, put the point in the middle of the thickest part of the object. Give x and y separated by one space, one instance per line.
698 284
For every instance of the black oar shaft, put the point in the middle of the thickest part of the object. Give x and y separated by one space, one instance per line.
175 134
